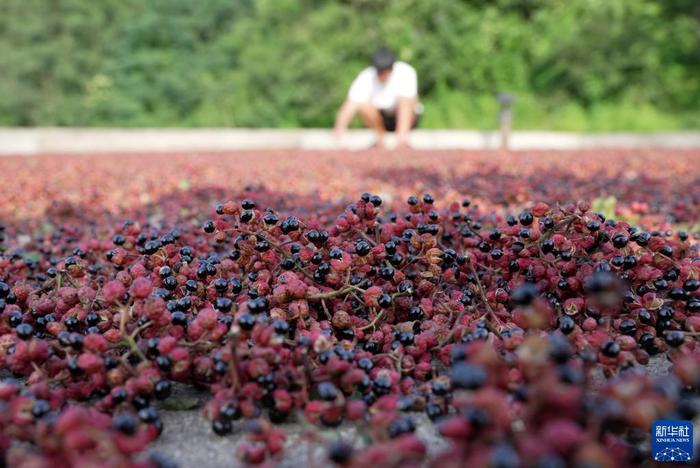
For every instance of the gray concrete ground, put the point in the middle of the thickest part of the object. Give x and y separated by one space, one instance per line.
188 439
32 141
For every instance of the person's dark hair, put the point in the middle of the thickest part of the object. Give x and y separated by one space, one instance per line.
383 59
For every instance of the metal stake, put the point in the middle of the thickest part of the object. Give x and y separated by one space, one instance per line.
505 118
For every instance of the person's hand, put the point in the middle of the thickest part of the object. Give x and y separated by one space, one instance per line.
401 142
338 137
379 144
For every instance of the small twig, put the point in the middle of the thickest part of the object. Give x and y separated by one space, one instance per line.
490 327
480 288
126 338
70 279
37 368
331 294
141 328
391 356
666 257
451 335
325 309
235 379
357 298
373 322
365 237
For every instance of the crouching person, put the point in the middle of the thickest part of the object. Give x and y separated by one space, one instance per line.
385 95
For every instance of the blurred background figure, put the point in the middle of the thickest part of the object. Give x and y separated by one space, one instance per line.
385 95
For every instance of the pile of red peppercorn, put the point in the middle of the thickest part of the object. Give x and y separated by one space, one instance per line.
524 337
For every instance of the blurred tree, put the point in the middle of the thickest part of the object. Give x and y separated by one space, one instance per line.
574 64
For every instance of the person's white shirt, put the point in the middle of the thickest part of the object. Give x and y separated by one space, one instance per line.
402 82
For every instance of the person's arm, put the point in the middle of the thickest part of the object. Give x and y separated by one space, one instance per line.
404 119
345 114
405 106
359 92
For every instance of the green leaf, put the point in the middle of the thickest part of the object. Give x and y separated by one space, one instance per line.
605 206
180 404
32 256
184 184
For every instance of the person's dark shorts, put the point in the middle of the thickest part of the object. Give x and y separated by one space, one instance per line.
389 120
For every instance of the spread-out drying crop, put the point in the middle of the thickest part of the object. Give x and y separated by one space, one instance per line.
492 295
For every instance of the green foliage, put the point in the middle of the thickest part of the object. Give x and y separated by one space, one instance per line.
605 206
589 65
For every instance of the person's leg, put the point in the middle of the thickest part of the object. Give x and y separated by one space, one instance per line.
372 118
